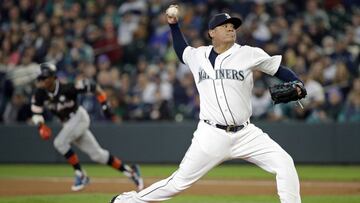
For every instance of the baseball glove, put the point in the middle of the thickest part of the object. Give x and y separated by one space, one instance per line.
286 92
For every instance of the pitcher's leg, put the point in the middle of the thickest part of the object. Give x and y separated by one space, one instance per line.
195 164
261 150
279 162
287 180
209 148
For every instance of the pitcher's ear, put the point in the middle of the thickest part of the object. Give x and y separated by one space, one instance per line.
211 34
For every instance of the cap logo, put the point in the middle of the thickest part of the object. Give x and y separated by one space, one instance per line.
222 18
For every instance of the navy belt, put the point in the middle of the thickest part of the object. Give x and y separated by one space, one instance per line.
228 128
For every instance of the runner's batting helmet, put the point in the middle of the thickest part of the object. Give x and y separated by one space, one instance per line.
46 70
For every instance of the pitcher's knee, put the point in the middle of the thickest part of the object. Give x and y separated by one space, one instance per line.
290 160
181 184
285 165
287 160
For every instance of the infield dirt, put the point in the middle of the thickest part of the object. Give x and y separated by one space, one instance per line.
51 186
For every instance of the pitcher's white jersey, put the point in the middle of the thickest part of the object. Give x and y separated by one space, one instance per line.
225 90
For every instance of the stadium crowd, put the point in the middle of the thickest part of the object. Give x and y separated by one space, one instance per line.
125 46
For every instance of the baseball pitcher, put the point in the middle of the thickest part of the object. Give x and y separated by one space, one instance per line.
223 77
61 100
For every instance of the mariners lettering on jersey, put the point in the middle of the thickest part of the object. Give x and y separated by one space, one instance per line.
230 74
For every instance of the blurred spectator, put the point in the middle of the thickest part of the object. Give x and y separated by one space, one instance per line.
314 14
257 22
334 104
315 99
261 99
81 51
123 97
107 42
351 111
103 63
342 78
356 25
138 109
17 110
158 40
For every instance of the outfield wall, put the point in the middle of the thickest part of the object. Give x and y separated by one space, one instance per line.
167 142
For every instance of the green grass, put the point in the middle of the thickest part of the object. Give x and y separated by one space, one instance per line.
102 198
241 171
78 198
336 173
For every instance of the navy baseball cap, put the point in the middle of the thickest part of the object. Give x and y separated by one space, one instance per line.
222 18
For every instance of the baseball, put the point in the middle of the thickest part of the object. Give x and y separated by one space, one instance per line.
172 11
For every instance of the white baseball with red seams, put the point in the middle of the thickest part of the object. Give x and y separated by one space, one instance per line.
172 11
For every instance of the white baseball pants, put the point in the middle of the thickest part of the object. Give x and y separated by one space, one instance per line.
212 146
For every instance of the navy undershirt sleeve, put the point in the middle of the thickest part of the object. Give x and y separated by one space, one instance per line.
178 40
285 74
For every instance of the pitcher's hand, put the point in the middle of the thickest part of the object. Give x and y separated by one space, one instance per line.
172 14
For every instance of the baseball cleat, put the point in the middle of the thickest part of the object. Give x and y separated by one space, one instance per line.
81 180
124 197
133 173
113 199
